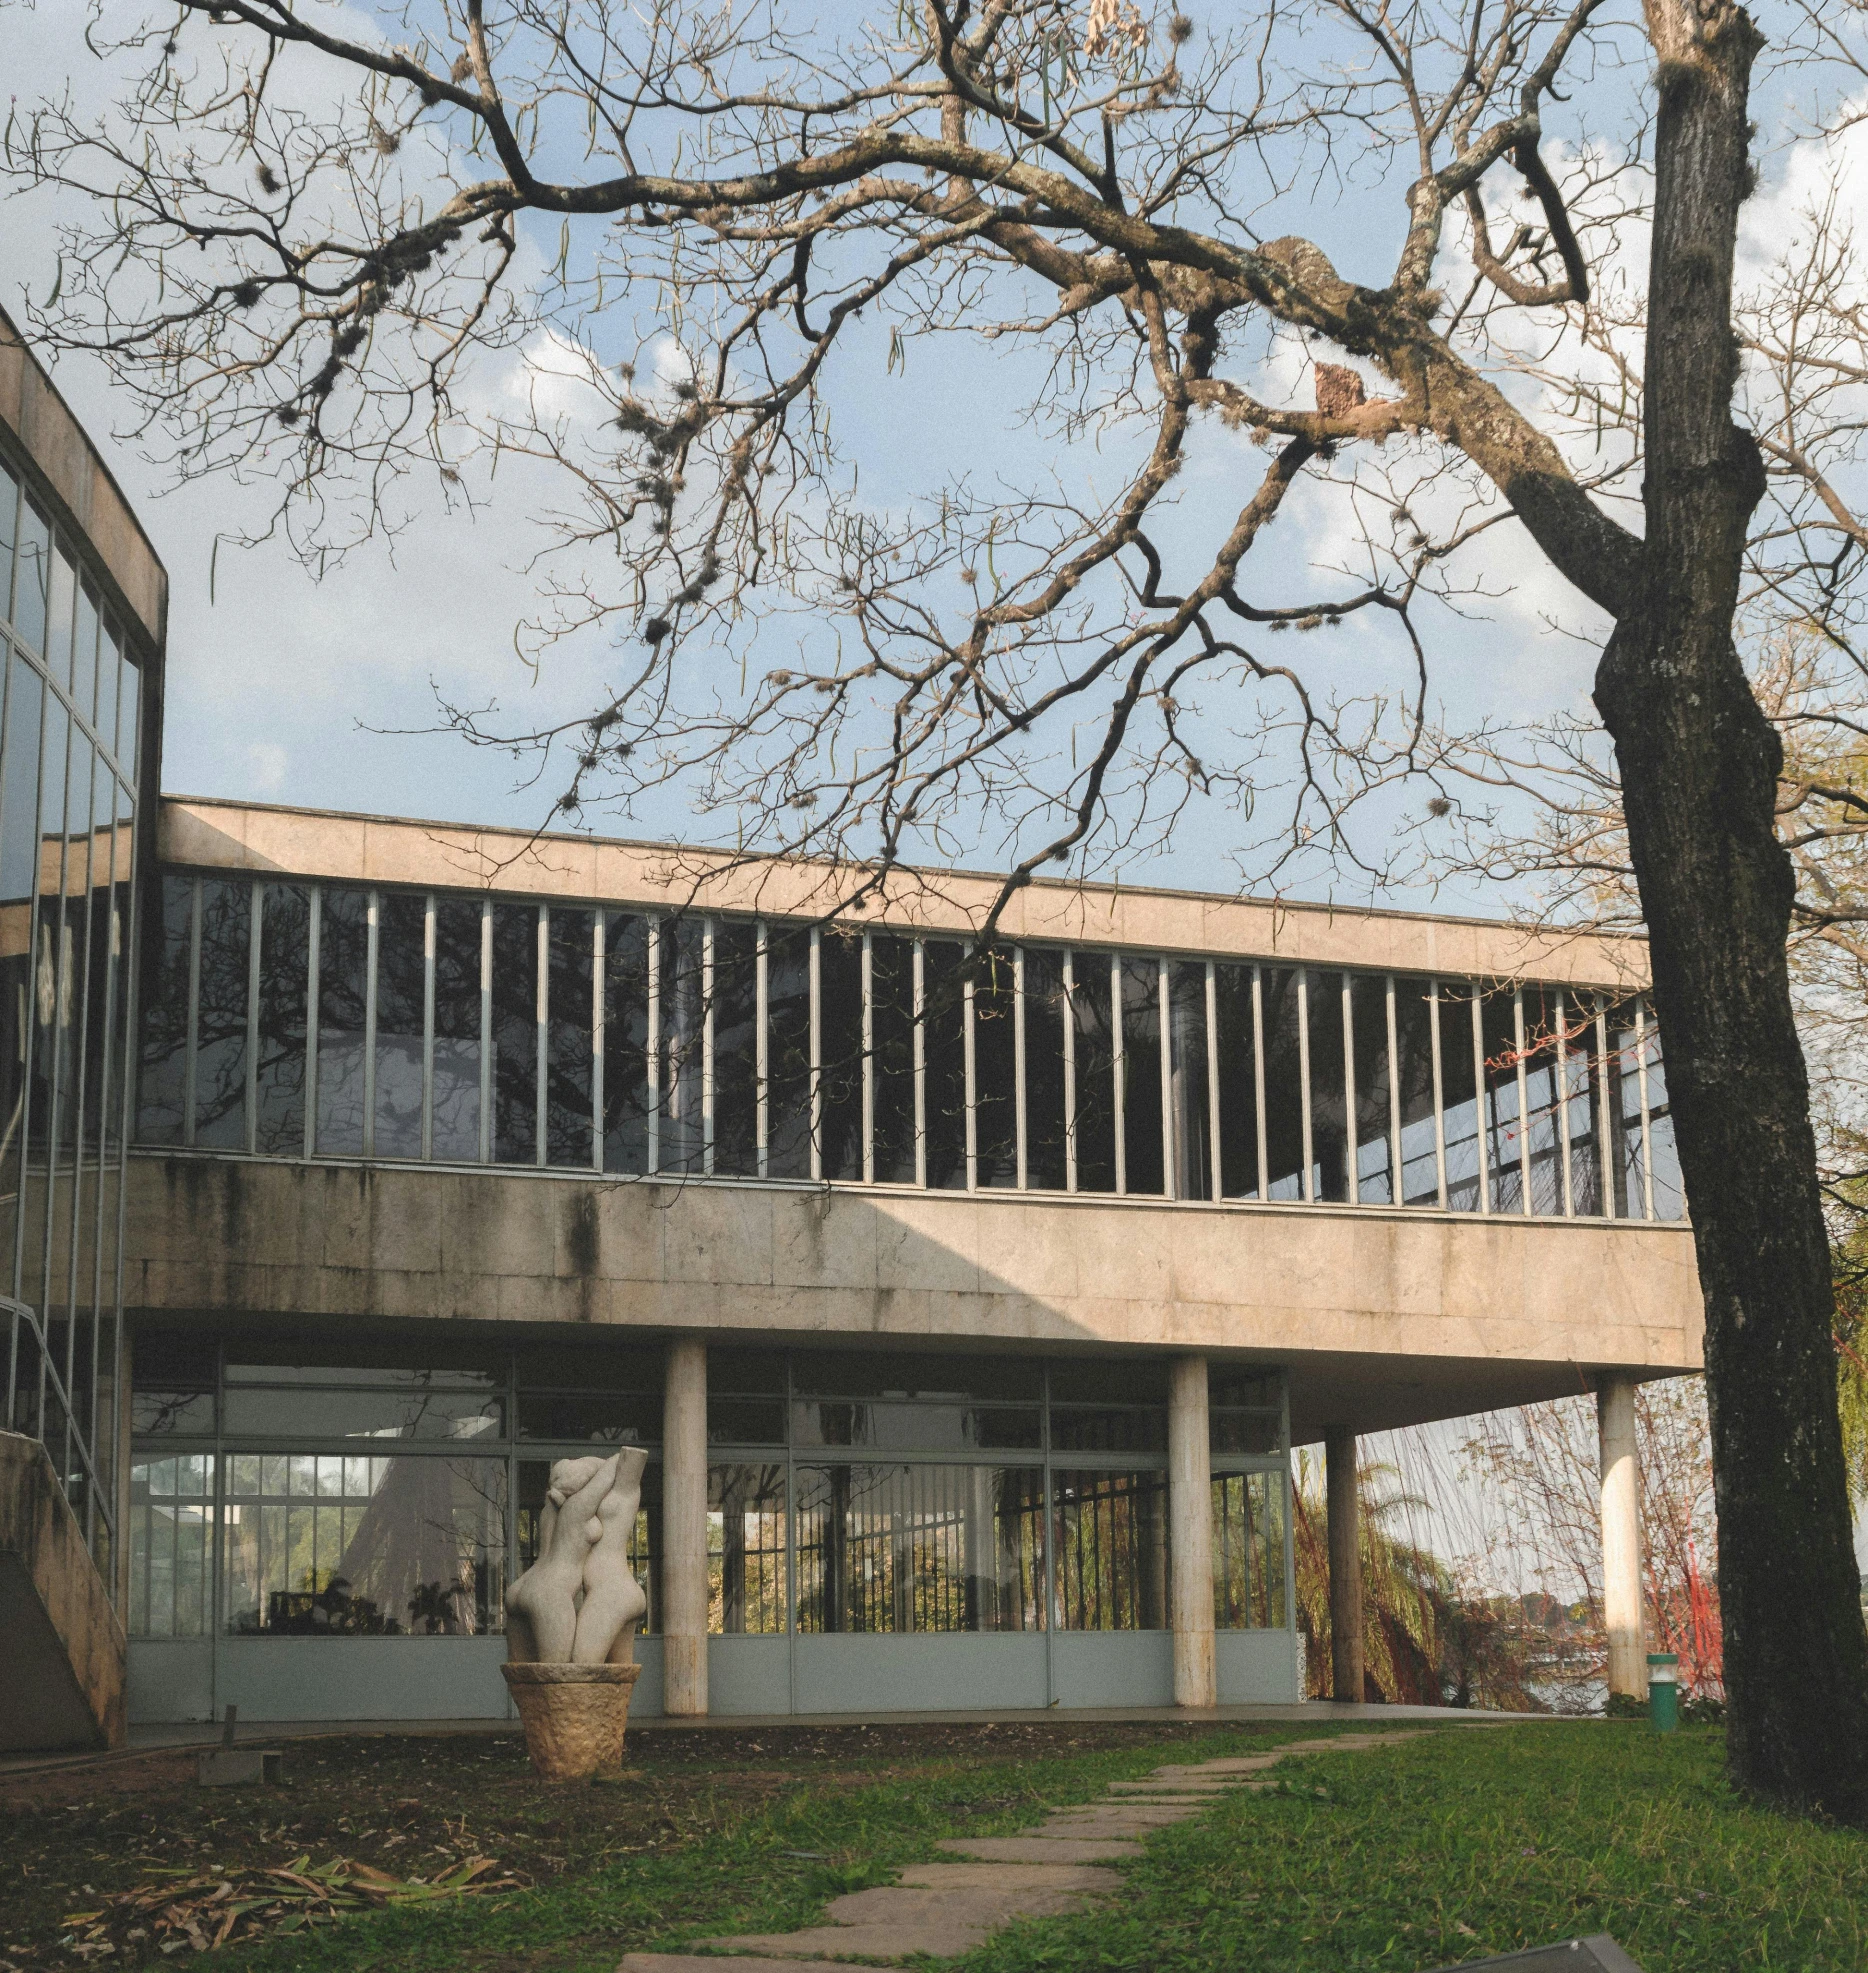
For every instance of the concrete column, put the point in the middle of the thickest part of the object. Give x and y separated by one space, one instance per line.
1345 1505
684 1530
1190 1537
1621 1537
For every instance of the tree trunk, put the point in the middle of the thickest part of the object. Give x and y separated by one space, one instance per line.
1699 765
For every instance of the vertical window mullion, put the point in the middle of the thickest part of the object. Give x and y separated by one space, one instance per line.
654 1065
1303 1081
972 1084
1070 1071
189 1049
1165 1015
254 924
314 929
599 1029
817 1051
428 1025
541 1015
1439 1092
869 1059
1605 1128
486 1030
1119 1105
707 1076
921 1063
1216 1182
1258 1080
1352 1175
1397 1187
1480 1103
762 1053
1647 1121
1018 1065
1563 1098
373 914
1524 1098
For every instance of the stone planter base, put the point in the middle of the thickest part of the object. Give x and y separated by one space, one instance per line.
573 1715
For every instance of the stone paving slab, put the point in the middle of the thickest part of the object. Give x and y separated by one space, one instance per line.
1038 1849
1092 1877
936 1939
1239 1764
695 1962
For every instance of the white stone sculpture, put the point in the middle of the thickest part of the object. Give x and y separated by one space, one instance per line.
579 1603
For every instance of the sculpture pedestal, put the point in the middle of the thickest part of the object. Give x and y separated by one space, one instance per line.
573 1715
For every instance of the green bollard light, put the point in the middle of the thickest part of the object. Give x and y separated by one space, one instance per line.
1663 1690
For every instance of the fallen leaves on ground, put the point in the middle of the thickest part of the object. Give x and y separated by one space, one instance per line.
208 1909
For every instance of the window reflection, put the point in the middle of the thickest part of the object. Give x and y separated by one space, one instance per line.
401 1007
454 1102
343 991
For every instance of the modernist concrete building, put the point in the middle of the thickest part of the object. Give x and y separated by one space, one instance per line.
969 1310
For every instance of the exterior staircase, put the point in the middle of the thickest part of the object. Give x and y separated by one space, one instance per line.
64 1680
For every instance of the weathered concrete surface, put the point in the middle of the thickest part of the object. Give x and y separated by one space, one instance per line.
1485 1312
62 1685
376 849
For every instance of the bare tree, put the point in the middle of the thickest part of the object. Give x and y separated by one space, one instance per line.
1087 203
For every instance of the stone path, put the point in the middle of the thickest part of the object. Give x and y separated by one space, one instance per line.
945 1909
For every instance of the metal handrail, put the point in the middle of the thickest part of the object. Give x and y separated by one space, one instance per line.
20 1312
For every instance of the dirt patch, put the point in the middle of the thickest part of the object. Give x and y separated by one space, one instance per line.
115 1861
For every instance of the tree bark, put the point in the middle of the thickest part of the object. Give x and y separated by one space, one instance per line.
1699 765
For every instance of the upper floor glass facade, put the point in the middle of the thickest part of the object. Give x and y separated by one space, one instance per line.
71 702
299 1019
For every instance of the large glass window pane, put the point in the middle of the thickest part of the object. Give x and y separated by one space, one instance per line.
1630 1147
735 1050
1189 1098
897 1550
220 1030
19 838
1669 1185
401 994
1420 1161
1248 1551
343 984
682 1045
171 1523
515 1034
892 1014
129 692
1046 1120
32 573
1375 1175
1583 1080
746 1589
788 1052
332 1545
840 979
162 1083
995 1070
1504 1133
944 1046
1543 1125
84 656
1109 1552
109 666
9 517
1092 1037
303 1410
570 1129
454 1132
284 964
61 601
1284 1085
625 1042
1459 1096
1329 1111
1238 1082
1141 1075
1103 1406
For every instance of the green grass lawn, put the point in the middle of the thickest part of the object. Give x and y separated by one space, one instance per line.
1478 1842
1465 1842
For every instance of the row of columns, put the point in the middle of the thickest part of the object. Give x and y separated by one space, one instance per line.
1190 1541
